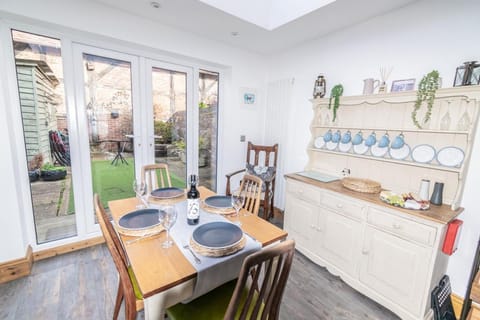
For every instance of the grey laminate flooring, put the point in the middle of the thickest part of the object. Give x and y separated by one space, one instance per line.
83 285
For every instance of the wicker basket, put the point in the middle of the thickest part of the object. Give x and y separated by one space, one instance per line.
361 185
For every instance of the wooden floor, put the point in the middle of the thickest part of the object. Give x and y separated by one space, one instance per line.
83 284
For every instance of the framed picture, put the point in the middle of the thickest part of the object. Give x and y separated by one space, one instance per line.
248 96
403 85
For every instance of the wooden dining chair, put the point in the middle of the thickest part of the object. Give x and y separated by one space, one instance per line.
156 176
128 289
251 187
256 295
260 157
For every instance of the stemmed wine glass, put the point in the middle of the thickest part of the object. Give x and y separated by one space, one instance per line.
139 189
238 200
167 216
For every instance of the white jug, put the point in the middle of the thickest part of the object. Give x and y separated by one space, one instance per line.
369 85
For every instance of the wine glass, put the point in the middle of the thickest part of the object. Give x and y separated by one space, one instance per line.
139 189
167 216
238 200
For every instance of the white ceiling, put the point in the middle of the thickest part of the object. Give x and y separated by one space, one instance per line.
200 18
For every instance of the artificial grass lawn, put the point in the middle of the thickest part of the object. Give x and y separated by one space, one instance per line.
115 182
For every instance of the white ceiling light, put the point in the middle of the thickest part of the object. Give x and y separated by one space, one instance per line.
268 14
155 5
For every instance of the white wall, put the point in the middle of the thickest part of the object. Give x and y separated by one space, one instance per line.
79 19
427 35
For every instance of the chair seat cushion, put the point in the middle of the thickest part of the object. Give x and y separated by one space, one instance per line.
136 289
211 306
265 173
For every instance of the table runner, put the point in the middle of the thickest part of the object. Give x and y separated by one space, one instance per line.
212 271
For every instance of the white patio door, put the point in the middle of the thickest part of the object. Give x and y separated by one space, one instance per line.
109 117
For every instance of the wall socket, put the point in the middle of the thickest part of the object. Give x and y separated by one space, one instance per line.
242 138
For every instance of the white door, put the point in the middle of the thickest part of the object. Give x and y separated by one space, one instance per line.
109 117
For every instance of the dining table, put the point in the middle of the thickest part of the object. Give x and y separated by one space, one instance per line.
165 276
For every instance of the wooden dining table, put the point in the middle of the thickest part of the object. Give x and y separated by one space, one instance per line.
165 277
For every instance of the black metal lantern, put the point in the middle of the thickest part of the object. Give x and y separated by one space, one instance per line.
468 74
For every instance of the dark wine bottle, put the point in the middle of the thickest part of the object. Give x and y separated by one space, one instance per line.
193 202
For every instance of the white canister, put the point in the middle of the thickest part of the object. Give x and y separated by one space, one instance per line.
424 192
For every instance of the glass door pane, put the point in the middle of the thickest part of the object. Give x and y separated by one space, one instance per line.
208 128
169 94
45 127
109 119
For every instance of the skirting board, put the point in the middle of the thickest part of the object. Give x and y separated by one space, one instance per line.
457 303
47 253
18 268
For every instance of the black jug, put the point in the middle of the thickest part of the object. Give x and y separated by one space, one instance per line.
437 195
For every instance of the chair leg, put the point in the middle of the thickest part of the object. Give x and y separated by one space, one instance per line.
118 302
266 203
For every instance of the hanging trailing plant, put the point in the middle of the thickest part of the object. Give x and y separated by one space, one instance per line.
426 92
335 94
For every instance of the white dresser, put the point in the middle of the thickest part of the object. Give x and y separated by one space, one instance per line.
391 255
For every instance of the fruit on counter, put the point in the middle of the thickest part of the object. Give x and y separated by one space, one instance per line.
404 200
392 198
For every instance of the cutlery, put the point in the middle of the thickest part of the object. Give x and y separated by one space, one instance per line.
197 260
145 236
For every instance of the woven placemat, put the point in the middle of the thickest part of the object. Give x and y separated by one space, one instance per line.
139 233
218 252
361 185
153 200
223 211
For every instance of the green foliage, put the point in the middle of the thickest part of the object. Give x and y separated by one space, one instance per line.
426 92
50 167
180 144
202 105
163 129
335 94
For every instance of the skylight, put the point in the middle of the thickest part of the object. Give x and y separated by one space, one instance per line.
268 14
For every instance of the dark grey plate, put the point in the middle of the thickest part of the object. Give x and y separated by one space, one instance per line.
139 219
167 193
220 202
217 234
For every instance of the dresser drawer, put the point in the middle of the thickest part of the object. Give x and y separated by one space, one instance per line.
403 227
304 191
342 205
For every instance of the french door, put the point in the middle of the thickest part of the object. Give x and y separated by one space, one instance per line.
110 114
131 111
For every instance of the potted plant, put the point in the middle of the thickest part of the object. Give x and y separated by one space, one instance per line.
426 92
34 166
49 172
335 94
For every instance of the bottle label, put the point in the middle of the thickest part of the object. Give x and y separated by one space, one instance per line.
193 208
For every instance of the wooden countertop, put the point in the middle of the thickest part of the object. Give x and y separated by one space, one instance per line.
441 214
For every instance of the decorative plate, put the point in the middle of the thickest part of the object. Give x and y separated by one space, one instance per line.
450 156
400 154
360 148
344 147
167 193
220 202
378 151
217 235
319 143
423 153
332 145
139 219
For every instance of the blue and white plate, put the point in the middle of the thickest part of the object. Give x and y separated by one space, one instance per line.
167 193
319 142
344 147
361 148
220 202
378 151
217 235
139 219
423 153
400 154
331 145
450 157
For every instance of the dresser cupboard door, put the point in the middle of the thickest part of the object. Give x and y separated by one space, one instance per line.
300 221
395 268
338 240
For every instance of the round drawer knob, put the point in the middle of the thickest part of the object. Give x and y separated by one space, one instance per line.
365 251
339 205
396 226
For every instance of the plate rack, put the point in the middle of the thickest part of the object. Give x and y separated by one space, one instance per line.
452 124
